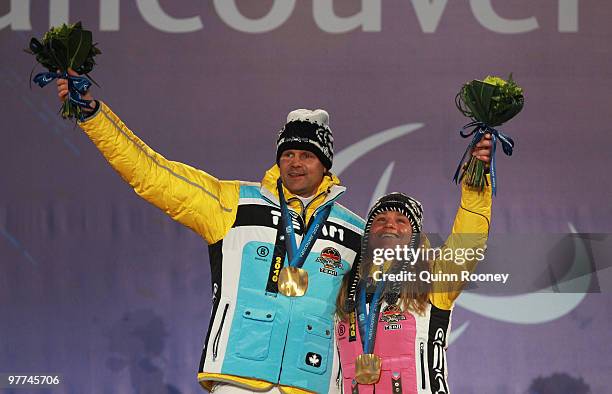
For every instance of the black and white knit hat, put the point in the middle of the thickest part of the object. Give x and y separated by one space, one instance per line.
307 130
398 202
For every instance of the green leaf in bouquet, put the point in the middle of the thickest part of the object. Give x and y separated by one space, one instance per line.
510 110
59 54
37 49
508 101
51 53
472 100
484 93
63 34
46 61
36 46
86 67
79 46
59 33
42 54
89 63
460 104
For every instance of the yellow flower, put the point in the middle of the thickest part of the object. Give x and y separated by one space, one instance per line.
497 81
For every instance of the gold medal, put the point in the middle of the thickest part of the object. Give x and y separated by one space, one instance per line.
293 281
367 369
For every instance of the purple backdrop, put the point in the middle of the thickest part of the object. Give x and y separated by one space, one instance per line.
103 288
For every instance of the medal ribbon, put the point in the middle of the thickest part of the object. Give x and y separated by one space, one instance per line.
369 321
297 256
479 130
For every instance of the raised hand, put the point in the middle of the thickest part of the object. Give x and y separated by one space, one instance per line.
62 89
482 150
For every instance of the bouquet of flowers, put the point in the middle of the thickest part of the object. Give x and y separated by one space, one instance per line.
62 48
489 103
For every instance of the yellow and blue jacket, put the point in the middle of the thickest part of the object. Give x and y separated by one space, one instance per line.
257 338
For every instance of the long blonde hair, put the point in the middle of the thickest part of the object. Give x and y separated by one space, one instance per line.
414 295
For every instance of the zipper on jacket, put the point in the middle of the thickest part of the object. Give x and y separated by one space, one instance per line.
422 354
311 201
339 370
332 200
218 335
305 207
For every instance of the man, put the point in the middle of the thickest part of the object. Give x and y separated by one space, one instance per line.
393 334
271 328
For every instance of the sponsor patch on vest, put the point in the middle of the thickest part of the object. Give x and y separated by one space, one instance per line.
313 359
392 316
262 253
331 261
341 329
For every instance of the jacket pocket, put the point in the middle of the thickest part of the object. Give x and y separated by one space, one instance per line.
317 341
256 332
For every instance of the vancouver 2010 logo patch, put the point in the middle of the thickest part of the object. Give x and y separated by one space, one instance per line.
331 260
392 317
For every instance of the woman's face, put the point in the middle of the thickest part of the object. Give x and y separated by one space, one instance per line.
389 229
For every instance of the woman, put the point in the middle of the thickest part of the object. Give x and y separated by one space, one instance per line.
392 334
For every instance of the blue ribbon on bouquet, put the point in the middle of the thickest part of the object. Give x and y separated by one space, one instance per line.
479 129
77 86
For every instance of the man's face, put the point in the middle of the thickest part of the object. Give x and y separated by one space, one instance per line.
388 230
301 171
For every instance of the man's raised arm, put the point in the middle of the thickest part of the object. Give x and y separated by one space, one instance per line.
190 196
